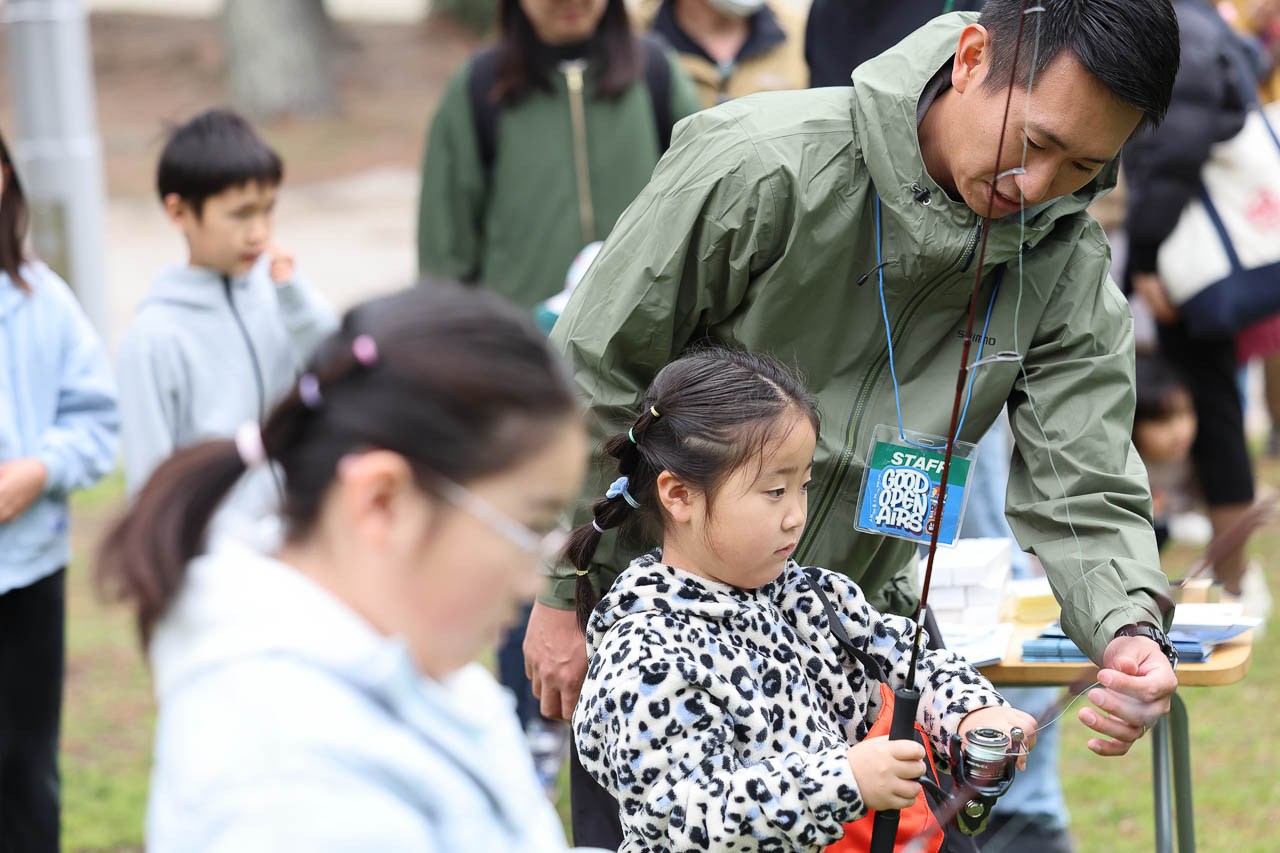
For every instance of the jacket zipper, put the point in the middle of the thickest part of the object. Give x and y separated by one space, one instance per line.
577 112
827 499
253 354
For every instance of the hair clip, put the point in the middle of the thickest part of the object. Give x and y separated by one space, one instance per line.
598 528
309 391
619 487
365 349
249 444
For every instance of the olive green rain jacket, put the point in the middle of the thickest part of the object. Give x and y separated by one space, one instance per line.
758 231
566 164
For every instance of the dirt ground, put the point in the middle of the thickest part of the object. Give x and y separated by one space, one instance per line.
152 71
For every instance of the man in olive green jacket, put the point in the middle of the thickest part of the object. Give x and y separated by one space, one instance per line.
759 230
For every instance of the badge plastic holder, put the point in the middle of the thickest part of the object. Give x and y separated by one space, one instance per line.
902 481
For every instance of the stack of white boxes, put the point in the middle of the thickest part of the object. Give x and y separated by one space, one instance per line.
970 583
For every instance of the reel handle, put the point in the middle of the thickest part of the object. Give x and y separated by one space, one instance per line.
885 826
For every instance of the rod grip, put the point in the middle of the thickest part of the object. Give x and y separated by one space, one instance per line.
885 825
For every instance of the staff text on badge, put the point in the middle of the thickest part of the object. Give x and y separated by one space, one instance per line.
902 483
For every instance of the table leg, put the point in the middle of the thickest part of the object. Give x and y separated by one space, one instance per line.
1179 734
1161 786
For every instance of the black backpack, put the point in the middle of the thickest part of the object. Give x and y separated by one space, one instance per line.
484 74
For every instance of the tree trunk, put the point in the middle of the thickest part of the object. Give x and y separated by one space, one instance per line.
280 57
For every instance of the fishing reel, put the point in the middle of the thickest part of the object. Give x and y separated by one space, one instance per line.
983 760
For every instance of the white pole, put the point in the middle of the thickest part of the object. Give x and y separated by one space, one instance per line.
55 144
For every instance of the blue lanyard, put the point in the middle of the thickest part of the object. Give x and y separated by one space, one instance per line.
897 399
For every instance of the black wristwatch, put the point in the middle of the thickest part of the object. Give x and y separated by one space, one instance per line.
1151 632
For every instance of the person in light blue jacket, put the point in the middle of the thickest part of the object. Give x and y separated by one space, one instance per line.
219 340
315 678
58 431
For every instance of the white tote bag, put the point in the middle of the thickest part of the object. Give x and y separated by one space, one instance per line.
1221 263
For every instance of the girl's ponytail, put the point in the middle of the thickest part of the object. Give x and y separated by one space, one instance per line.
143 558
613 510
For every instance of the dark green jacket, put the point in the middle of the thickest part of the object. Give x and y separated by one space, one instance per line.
758 229
517 226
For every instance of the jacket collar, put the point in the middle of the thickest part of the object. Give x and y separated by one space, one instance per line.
196 287
764 34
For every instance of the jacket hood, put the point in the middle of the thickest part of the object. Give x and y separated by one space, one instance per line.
237 603
196 287
886 97
650 586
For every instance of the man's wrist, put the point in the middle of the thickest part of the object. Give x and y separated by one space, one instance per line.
1153 633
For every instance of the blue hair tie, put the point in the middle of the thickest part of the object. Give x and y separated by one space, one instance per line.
631 435
619 487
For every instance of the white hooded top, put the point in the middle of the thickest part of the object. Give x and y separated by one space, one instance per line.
286 722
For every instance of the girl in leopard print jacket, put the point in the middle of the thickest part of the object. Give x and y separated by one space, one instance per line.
718 707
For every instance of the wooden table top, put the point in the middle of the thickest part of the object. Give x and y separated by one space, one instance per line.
1228 664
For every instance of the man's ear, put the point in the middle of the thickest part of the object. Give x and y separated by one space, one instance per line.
973 58
675 497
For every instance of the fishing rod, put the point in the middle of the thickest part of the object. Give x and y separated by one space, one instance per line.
907 698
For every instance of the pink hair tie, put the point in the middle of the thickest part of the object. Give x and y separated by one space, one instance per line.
365 349
249 444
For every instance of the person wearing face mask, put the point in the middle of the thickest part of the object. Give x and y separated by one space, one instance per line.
315 674
732 48
541 141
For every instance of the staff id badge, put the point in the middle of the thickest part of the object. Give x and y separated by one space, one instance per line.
903 480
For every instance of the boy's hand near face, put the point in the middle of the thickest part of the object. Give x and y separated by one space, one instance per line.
281 267
886 772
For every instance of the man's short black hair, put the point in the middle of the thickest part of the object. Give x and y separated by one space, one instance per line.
212 152
1130 46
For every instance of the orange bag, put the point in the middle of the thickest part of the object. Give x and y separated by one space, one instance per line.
857 835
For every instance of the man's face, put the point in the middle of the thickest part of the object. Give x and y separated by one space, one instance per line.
1070 128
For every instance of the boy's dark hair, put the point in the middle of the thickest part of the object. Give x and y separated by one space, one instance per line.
1130 46
13 219
716 410
464 386
213 152
524 62
1160 389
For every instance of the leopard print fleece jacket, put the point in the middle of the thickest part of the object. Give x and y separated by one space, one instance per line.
719 717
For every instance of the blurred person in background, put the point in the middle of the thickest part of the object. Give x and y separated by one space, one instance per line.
1164 427
58 432
541 141
1162 168
219 339
315 673
732 48
539 144
843 34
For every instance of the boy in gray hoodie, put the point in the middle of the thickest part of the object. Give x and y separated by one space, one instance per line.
217 341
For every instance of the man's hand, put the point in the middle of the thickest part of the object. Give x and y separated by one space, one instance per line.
1138 681
1150 288
21 482
281 267
555 659
1004 719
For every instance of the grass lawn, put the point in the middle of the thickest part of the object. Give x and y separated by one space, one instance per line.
109 714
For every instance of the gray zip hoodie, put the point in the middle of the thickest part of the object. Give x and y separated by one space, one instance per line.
205 353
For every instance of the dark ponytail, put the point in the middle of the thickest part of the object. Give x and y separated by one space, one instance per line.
704 415
13 219
462 385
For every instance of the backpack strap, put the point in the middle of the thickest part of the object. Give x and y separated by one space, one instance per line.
870 664
657 77
484 112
